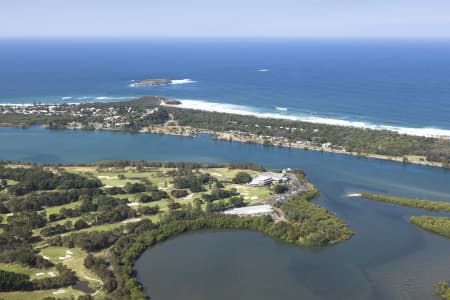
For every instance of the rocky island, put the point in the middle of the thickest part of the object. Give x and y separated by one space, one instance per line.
151 82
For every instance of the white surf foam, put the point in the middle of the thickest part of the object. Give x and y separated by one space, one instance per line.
354 195
263 70
249 111
281 108
65 98
112 98
182 81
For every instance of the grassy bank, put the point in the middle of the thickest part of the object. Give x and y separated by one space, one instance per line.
423 204
443 290
438 225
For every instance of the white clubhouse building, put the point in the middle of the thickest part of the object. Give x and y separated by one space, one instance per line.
267 178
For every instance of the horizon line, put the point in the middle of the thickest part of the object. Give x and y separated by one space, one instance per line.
226 37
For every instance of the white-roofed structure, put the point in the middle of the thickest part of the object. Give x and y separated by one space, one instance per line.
250 210
267 178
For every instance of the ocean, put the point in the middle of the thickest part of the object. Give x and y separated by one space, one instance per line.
401 85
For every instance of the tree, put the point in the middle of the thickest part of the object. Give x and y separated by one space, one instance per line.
174 205
442 288
179 193
3 209
198 203
149 210
89 261
144 198
133 188
80 224
10 281
280 188
237 201
242 177
68 225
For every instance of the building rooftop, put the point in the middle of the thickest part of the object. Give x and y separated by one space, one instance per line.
250 210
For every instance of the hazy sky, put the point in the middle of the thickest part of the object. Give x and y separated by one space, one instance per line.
230 18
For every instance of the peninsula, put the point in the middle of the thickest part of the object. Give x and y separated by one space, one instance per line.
75 231
161 115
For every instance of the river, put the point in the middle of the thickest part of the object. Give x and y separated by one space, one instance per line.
388 258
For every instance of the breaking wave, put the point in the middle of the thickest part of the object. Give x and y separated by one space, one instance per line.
182 81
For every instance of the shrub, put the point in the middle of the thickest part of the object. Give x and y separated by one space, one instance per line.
179 193
280 188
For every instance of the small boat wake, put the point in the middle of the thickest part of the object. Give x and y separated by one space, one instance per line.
281 108
354 195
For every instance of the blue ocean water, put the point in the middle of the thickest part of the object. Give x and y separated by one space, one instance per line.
400 83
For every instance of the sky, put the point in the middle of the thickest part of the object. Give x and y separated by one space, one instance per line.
225 18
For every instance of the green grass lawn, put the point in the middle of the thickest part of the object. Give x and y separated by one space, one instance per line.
103 227
155 175
225 173
55 209
3 218
74 262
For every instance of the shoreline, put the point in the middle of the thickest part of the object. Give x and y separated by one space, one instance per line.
224 136
278 113
188 131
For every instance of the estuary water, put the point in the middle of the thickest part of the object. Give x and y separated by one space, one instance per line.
388 258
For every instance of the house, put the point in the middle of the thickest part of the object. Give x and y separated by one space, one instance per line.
326 145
